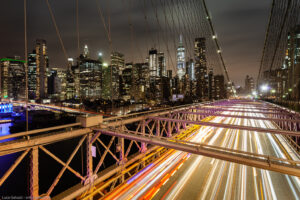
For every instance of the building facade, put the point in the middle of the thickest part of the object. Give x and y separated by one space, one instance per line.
201 69
181 69
12 73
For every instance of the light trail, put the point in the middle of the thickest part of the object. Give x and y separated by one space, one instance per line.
176 175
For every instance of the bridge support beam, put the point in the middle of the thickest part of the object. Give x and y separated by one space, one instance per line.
89 160
34 173
143 144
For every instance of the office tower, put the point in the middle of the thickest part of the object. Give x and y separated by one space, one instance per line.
190 66
105 92
90 77
12 73
140 82
180 59
57 84
292 64
126 80
201 68
249 85
86 53
154 80
219 87
42 66
32 75
211 84
162 65
153 65
73 82
117 65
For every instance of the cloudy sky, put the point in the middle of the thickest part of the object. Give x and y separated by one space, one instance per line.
240 27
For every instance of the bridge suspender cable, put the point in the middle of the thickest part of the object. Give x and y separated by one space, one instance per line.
216 40
265 44
281 30
26 61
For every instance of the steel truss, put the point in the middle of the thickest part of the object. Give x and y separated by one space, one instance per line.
131 150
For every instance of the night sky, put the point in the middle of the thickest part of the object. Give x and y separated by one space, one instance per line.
240 27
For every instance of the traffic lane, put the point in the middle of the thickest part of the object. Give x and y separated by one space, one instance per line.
247 182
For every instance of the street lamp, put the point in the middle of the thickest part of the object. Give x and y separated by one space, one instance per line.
264 88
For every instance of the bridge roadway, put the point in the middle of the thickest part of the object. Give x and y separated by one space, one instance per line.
180 175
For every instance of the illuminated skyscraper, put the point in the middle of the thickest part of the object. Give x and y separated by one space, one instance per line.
153 65
86 53
219 87
12 73
32 77
117 66
201 69
42 67
180 59
190 67
90 78
162 65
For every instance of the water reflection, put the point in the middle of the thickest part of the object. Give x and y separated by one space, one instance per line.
4 130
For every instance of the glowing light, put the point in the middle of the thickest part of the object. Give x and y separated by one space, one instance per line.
100 54
264 88
219 51
273 91
214 37
290 89
105 64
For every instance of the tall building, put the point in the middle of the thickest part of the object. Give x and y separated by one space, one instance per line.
140 81
219 87
154 76
117 65
73 82
201 68
292 64
86 53
90 77
126 82
249 84
180 59
32 75
105 92
153 65
42 67
57 84
211 86
12 73
162 69
190 66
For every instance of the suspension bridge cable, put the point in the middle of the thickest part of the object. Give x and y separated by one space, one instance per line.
216 40
57 31
26 61
265 42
